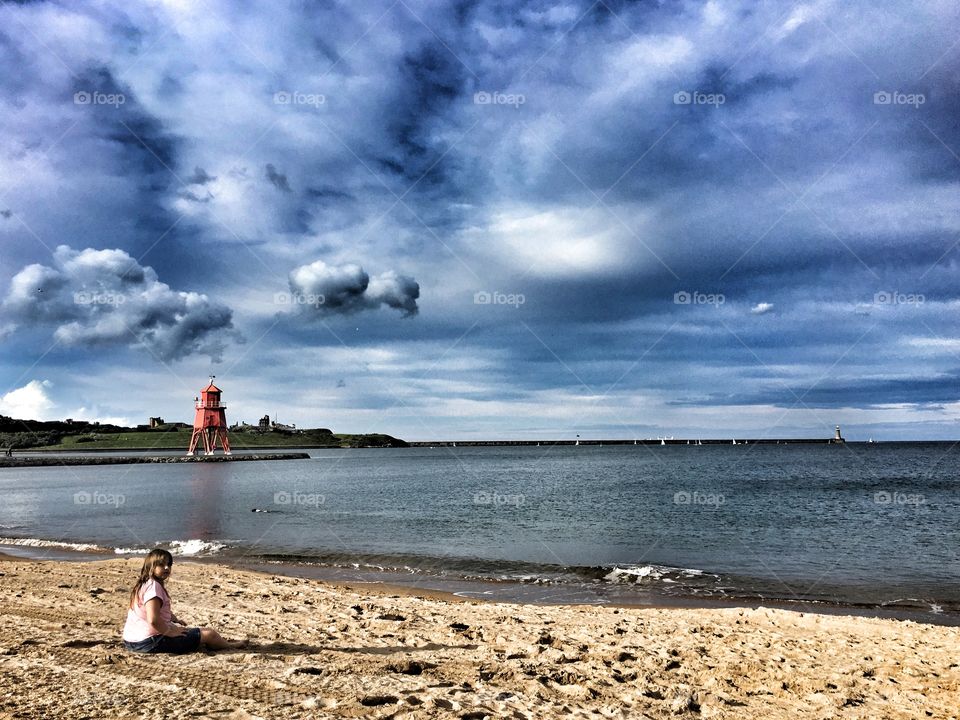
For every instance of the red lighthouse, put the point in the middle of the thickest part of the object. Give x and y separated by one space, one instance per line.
210 422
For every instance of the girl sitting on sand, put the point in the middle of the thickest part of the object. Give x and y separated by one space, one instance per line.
151 626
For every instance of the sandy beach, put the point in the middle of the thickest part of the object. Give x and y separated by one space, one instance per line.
318 650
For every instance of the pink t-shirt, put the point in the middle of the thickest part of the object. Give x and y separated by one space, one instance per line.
137 628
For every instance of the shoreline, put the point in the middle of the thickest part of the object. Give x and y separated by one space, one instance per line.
490 590
317 650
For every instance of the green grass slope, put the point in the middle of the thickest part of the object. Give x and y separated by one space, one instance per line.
179 438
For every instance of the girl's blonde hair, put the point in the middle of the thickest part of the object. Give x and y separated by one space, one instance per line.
155 558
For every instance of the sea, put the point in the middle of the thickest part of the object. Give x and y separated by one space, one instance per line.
859 528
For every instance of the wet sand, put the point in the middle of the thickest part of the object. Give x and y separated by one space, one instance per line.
318 650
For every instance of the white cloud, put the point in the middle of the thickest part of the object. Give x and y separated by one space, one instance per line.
95 415
761 308
30 402
329 289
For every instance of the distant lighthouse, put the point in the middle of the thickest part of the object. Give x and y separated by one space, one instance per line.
210 422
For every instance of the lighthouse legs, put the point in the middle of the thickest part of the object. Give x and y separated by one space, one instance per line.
210 437
193 442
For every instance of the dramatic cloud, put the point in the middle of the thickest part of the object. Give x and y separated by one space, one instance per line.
104 297
620 167
345 289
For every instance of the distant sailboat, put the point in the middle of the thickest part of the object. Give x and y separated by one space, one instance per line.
662 441
734 441
698 442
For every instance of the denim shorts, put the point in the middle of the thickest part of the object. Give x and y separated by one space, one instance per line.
186 643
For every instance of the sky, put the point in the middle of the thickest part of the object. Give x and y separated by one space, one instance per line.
484 220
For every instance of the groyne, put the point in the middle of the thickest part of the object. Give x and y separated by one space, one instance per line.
54 460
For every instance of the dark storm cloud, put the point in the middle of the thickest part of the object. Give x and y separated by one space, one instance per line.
104 297
598 159
278 180
865 393
199 177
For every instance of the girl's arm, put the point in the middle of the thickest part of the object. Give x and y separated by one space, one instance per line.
152 608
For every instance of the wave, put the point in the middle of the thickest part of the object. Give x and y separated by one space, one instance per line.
517 571
637 574
179 548
54 544
195 547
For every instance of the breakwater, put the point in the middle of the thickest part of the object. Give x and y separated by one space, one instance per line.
658 441
35 461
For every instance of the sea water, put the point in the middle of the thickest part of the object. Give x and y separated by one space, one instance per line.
856 525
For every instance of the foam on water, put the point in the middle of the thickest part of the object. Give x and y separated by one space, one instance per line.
195 547
182 548
636 574
39 543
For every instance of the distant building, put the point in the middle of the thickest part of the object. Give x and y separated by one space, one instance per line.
156 422
267 425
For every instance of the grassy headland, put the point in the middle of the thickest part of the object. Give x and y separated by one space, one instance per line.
59 436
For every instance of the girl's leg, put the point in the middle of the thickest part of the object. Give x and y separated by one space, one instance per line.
213 640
